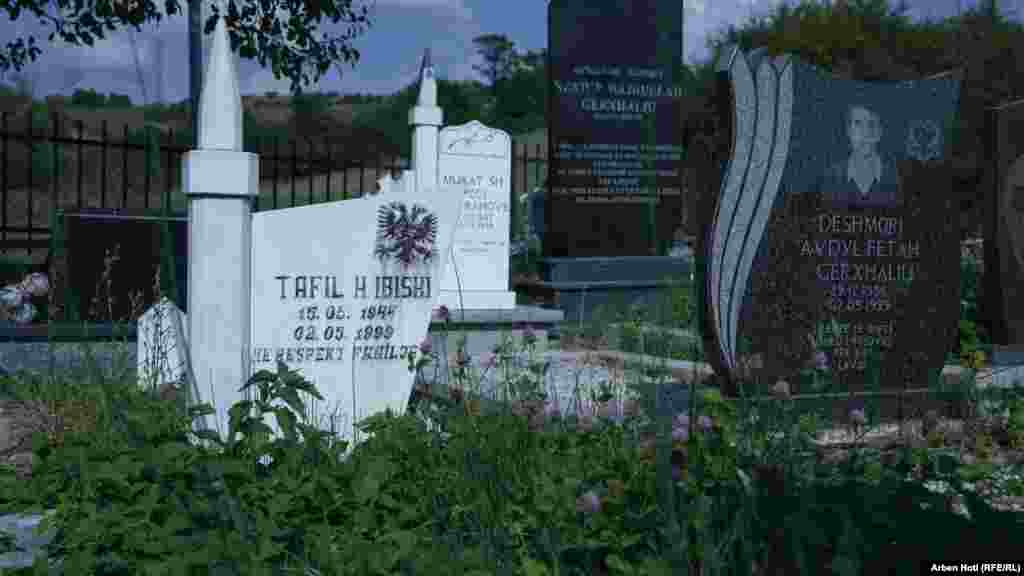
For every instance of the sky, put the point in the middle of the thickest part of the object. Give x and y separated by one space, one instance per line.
391 49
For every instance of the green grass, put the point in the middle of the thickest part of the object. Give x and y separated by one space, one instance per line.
467 487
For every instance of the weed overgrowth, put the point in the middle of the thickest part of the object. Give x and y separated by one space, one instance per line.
627 482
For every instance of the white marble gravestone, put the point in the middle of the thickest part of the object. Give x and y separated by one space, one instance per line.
478 160
332 298
160 355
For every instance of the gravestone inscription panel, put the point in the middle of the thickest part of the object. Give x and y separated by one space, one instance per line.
478 159
343 301
614 137
835 233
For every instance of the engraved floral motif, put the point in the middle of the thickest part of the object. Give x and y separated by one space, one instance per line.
477 134
924 141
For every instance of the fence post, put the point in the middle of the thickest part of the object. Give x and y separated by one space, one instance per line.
220 181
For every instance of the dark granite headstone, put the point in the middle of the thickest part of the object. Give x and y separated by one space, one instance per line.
614 138
89 234
1005 233
835 229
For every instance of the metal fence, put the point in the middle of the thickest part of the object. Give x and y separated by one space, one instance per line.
72 167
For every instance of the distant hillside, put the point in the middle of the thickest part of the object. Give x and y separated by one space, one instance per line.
314 137
314 116
275 109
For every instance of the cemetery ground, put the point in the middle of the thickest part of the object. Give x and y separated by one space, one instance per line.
464 485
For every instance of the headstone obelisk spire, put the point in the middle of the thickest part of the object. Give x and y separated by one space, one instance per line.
426 119
220 181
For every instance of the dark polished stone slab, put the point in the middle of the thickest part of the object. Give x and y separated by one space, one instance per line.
584 284
638 269
614 171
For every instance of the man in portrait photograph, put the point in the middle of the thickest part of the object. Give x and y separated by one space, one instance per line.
865 178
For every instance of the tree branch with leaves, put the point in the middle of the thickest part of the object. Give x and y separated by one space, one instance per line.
499 56
281 34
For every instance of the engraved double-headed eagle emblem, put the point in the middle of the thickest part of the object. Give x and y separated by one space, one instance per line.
406 235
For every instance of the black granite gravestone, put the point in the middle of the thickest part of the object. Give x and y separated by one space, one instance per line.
835 230
614 184
1003 308
614 138
90 233
1005 233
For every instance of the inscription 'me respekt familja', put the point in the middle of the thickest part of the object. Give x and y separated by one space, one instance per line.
319 333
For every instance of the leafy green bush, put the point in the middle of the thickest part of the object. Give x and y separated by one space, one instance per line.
452 488
973 338
892 527
496 494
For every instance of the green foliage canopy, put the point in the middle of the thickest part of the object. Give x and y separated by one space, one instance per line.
278 33
91 99
460 100
498 55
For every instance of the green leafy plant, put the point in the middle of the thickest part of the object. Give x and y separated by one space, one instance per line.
471 483
1015 424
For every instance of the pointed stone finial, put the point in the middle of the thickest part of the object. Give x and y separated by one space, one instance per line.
425 64
428 87
220 103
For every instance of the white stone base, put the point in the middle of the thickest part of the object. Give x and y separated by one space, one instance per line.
477 300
